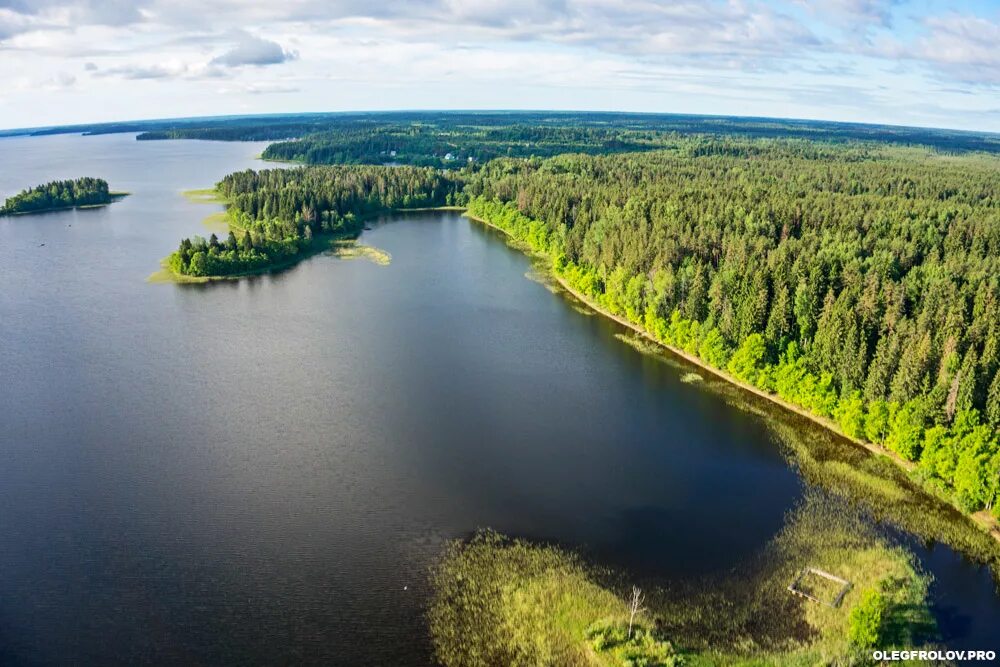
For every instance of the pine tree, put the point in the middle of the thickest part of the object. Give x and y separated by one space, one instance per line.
993 401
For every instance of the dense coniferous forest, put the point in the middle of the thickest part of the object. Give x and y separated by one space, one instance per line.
59 194
861 284
857 281
278 215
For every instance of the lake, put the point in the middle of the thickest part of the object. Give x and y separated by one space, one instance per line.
262 471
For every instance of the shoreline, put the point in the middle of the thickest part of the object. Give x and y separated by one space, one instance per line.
982 520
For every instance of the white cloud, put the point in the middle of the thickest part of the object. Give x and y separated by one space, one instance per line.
250 50
965 47
959 49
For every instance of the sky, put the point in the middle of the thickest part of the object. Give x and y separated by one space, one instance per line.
929 63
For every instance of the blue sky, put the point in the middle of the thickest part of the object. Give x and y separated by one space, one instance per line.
908 63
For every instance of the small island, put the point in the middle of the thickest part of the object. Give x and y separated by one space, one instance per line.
58 195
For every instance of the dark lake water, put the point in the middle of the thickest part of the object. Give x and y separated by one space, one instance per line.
261 471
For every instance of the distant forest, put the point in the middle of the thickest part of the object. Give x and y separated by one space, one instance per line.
57 195
451 139
426 137
856 280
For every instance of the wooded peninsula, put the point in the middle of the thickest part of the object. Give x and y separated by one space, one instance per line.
279 216
58 195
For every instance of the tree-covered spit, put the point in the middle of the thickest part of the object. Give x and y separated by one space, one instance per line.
277 216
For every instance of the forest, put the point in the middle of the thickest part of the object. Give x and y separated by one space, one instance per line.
855 280
278 216
59 195
451 147
425 137
859 283
333 138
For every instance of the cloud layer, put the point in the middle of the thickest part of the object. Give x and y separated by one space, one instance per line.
875 60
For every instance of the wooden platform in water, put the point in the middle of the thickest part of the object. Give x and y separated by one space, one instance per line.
834 592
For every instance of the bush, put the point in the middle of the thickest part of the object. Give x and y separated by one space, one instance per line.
643 649
866 619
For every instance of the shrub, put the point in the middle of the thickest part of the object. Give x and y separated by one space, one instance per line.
866 619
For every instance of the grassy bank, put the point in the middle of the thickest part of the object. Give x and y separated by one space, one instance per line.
502 601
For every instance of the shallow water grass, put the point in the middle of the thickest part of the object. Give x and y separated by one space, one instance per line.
747 616
214 222
204 196
639 343
500 601
350 249
508 602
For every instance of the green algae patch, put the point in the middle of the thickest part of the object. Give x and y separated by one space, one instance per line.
691 378
349 249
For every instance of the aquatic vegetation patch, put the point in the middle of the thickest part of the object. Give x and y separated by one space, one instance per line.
501 601
506 601
542 277
349 249
749 614
640 344
165 275
204 196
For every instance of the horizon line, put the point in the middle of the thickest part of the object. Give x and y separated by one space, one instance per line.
28 131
